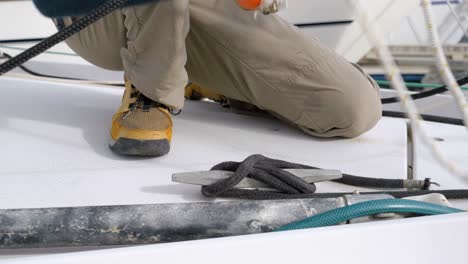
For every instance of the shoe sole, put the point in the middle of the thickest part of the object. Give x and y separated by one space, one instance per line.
143 148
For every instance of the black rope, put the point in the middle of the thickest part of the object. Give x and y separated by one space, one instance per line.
62 35
288 186
430 118
9 41
261 169
264 195
38 74
439 90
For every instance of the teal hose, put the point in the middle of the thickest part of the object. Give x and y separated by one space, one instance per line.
344 214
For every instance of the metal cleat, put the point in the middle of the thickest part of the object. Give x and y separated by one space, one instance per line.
206 178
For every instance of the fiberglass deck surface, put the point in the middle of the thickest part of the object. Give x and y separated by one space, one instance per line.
54 148
54 153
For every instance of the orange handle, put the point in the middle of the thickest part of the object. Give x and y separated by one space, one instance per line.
249 4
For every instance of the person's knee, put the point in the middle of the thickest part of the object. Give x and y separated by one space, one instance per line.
363 118
339 113
367 109
361 111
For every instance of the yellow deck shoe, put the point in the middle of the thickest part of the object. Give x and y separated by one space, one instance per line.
196 92
141 127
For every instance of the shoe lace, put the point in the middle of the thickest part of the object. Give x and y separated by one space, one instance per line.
145 104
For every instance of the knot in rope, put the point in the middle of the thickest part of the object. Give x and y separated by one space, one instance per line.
263 169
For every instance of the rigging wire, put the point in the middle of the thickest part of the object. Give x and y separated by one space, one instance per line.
457 17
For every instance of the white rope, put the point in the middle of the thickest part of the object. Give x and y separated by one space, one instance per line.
394 76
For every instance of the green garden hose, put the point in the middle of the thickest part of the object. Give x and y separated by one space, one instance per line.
344 214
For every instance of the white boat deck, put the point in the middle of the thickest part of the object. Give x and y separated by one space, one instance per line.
54 154
54 138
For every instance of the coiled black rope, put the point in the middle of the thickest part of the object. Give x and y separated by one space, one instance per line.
63 34
288 186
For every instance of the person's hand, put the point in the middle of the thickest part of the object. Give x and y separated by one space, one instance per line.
265 6
249 4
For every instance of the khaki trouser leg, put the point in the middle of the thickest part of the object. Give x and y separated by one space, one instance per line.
147 42
155 56
271 64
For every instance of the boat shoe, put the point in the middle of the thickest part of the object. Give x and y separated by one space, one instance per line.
141 126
